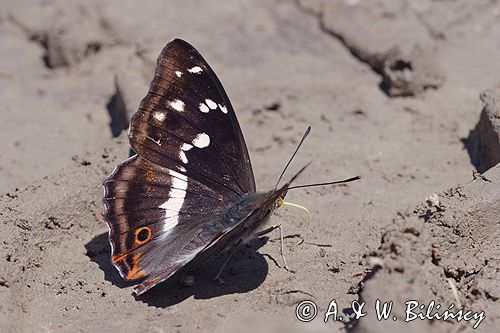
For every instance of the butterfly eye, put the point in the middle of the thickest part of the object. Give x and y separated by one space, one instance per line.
142 235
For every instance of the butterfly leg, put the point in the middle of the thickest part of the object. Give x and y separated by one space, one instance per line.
282 248
217 278
266 231
282 241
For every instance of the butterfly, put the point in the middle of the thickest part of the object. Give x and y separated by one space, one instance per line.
189 193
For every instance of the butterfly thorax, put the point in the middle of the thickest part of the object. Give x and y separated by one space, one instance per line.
252 212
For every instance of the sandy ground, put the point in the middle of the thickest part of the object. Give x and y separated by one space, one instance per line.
392 92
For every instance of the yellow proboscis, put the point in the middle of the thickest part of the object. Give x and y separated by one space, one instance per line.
282 202
309 220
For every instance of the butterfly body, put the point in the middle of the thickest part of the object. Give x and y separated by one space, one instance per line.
251 214
241 223
189 193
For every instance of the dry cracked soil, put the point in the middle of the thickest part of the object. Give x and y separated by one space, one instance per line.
404 93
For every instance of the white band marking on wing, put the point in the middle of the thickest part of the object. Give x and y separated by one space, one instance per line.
178 191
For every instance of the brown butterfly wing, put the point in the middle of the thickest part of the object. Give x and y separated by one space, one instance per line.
168 203
186 123
157 221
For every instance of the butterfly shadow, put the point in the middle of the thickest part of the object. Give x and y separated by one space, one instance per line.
245 271
99 251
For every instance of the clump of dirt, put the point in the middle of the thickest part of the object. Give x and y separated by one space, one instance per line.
484 140
446 251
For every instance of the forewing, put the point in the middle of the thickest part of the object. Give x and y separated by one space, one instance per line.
187 124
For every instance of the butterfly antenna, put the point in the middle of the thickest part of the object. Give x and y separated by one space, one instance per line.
348 180
306 133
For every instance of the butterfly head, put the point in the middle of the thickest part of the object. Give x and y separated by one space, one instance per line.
280 200
267 202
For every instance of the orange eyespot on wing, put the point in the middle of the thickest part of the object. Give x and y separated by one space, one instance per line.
131 241
142 235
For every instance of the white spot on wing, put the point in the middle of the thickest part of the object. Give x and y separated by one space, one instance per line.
182 153
202 140
222 108
211 104
195 70
183 157
186 146
204 108
177 105
174 204
159 116
178 73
